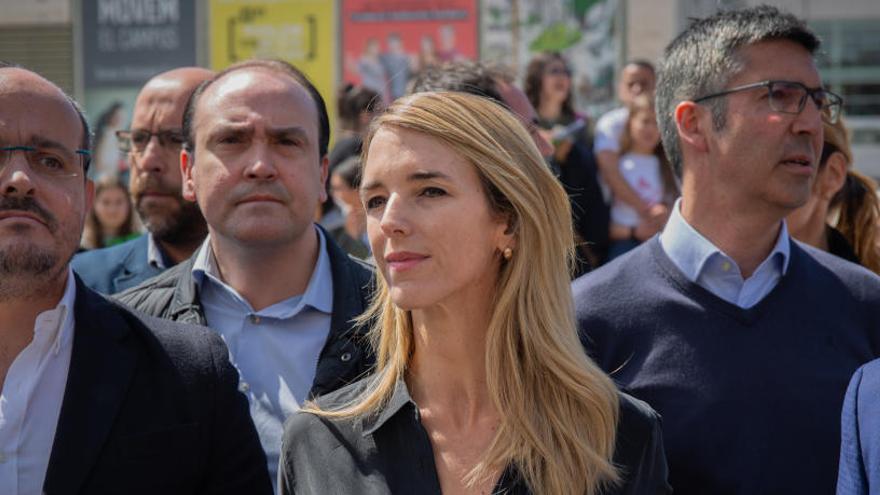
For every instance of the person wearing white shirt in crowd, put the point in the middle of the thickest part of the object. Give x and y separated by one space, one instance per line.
644 166
90 389
637 77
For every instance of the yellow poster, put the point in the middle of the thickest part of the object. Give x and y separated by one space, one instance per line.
301 32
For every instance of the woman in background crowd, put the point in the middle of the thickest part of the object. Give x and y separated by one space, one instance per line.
842 212
352 234
481 384
548 86
549 89
111 220
644 166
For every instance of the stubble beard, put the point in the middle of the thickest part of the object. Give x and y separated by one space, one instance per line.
29 272
27 269
184 226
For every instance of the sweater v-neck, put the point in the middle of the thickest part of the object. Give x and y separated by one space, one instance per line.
706 298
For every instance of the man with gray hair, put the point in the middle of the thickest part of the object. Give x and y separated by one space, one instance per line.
721 322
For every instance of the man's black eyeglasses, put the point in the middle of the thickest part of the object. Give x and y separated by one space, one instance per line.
49 161
139 139
791 97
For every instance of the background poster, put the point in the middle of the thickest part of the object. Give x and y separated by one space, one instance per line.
385 42
125 43
298 31
584 31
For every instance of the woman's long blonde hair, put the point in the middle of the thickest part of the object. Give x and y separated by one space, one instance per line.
558 410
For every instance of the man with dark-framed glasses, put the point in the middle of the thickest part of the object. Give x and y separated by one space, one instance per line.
93 397
741 338
175 227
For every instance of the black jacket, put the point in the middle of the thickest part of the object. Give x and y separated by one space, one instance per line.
345 356
151 406
388 451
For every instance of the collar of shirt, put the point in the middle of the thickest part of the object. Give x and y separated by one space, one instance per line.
155 255
399 398
56 325
318 294
30 402
703 263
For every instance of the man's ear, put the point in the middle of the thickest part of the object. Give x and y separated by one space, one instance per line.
834 175
691 130
325 170
186 165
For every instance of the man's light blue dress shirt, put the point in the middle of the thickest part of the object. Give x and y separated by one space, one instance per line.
706 265
275 349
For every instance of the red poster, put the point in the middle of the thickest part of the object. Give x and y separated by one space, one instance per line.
386 42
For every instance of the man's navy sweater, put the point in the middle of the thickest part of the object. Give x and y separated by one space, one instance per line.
750 398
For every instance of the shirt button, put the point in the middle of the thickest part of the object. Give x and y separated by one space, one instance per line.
346 357
725 266
255 319
244 387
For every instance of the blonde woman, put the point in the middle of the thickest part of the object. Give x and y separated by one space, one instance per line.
481 384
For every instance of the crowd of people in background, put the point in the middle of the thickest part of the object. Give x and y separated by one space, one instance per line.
478 288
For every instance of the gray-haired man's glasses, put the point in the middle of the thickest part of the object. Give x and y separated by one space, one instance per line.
49 162
139 139
791 97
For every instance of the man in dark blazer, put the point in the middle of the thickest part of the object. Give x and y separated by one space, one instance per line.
175 228
860 434
276 286
95 398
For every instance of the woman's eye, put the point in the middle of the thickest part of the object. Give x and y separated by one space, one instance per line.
374 202
433 192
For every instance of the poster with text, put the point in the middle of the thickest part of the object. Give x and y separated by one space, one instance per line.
386 42
126 42
301 32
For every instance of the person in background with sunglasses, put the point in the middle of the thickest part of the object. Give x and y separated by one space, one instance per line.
742 339
548 85
175 228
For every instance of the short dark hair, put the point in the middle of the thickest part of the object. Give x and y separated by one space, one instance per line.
86 139
276 66
349 170
705 57
354 101
464 77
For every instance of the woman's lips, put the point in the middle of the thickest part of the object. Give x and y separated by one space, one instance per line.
402 261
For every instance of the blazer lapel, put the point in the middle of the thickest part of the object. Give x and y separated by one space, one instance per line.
101 367
134 263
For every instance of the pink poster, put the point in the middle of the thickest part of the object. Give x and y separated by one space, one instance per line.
386 42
